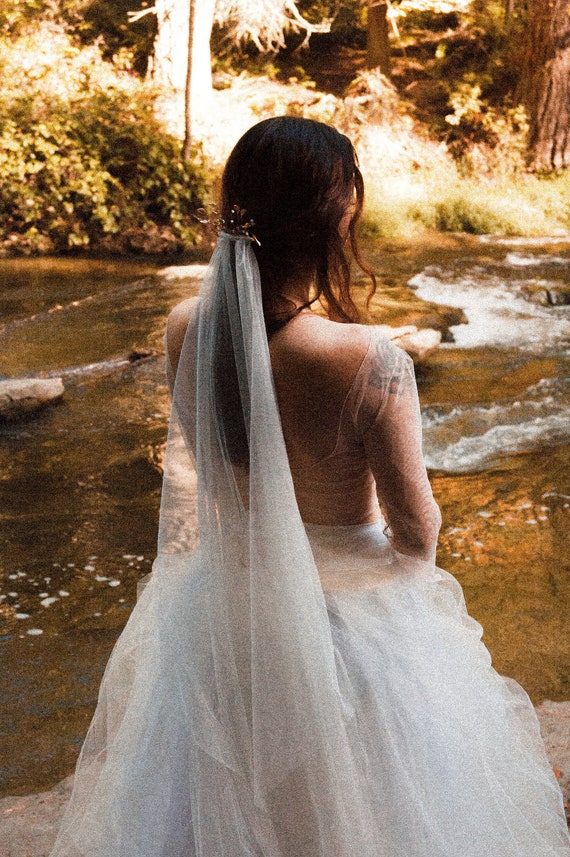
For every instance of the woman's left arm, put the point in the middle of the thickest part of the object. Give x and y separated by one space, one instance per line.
389 422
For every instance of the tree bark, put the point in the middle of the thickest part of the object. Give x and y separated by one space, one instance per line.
187 86
189 109
545 84
377 42
509 9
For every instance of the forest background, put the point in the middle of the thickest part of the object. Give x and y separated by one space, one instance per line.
110 140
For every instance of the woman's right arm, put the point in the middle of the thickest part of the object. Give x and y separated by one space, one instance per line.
389 424
175 332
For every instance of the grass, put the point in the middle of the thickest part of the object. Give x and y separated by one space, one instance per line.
528 206
413 183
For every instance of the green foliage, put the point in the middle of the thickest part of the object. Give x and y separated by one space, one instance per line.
430 14
414 184
20 16
486 140
445 202
551 195
51 187
16 14
107 20
470 207
476 44
348 23
102 21
82 156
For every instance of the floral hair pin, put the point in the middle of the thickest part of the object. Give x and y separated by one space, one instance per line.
239 224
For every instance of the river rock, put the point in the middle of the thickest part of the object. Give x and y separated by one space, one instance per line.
554 719
183 272
558 296
419 344
29 823
20 397
537 293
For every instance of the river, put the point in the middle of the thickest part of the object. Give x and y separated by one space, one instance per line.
80 483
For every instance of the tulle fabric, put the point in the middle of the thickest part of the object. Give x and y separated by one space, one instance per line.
451 751
251 702
292 691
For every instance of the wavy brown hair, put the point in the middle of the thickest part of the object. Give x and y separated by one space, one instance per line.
296 178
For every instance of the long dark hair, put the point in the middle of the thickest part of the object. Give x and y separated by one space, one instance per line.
295 178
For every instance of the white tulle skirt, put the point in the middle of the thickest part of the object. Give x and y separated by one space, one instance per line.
451 751
448 753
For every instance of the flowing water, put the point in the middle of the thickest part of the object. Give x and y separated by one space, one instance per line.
80 483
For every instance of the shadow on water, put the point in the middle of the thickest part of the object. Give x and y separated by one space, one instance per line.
80 483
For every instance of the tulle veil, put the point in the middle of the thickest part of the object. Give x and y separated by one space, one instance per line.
220 728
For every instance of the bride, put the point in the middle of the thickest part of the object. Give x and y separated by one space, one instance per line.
303 682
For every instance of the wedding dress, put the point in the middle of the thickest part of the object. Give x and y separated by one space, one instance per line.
297 690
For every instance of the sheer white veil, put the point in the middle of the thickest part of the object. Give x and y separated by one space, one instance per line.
264 698
220 728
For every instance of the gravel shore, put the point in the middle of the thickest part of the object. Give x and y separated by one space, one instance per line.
28 824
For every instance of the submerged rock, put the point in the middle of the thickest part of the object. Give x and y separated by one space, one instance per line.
140 354
21 397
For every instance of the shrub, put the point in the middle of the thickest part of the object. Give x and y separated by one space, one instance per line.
470 207
82 154
485 140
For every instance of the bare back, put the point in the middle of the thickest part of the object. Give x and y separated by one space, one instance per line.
350 419
315 363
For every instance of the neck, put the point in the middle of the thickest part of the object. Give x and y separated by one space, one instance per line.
285 305
289 296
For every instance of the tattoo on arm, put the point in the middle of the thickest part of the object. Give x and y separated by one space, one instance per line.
384 375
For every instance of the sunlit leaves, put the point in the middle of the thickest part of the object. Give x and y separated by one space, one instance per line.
82 154
264 21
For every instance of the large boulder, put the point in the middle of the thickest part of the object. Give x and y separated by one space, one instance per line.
20 397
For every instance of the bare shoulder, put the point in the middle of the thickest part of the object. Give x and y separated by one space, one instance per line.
320 347
180 315
327 339
176 328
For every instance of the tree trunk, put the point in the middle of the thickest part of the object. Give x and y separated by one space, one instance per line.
171 70
189 107
545 84
509 9
377 44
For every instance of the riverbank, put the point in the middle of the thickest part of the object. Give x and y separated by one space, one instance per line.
100 171
28 823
